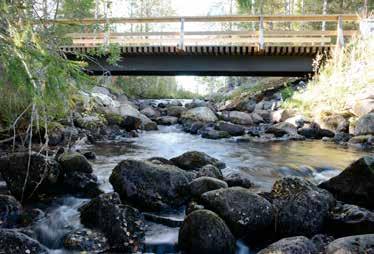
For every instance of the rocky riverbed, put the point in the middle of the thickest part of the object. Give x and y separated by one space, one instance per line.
188 176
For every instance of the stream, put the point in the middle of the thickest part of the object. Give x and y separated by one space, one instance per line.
263 162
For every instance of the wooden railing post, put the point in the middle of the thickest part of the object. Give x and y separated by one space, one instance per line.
261 40
340 35
181 35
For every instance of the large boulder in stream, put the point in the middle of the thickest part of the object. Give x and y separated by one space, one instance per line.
365 125
199 114
14 242
346 220
122 225
248 215
42 174
10 211
204 232
232 129
204 184
238 117
355 185
291 245
301 207
194 160
76 175
211 171
281 129
148 185
352 244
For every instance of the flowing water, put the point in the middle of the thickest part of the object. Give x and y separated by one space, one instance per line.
263 162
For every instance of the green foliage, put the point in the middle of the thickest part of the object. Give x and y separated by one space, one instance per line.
32 71
152 87
344 76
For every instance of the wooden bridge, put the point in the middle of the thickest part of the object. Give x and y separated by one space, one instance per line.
260 45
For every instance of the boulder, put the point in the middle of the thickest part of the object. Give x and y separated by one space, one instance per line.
352 244
204 232
345 220
363 141
176 111
214 134
148 185
199 114
43 174
150 112
232 129
10 211
314 131
281 129
150 126
248 215
332 122
363 103
238 117
122 225
167 120
355 185
85 184
211 171
194 160
281 115
301 207
291 245
204 184
86 240
195 127
238 179
14 242
74 162
257 118
365 125
265 114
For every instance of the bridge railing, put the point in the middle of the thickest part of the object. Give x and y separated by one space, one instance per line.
250 30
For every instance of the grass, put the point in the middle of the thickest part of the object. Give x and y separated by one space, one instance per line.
343 76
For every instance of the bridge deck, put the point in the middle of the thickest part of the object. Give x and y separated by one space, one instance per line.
264 51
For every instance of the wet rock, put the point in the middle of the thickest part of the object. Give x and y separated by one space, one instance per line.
281 129
195 127
122 225
211 171
321 241
238 117
199 114
345 220
301 207
167 221
150 112
232 129
291 245
85 184
365 125
90 155
148 185
74 162
204 232
248 215
204 184
352 244
175 111
14 242
342 137
355 185
43 174
238 179
214 134
167 120
160 160
86 240
150 126
193 206
10 211
194 160
314 131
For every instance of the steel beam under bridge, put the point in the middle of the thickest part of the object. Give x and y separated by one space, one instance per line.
205 65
